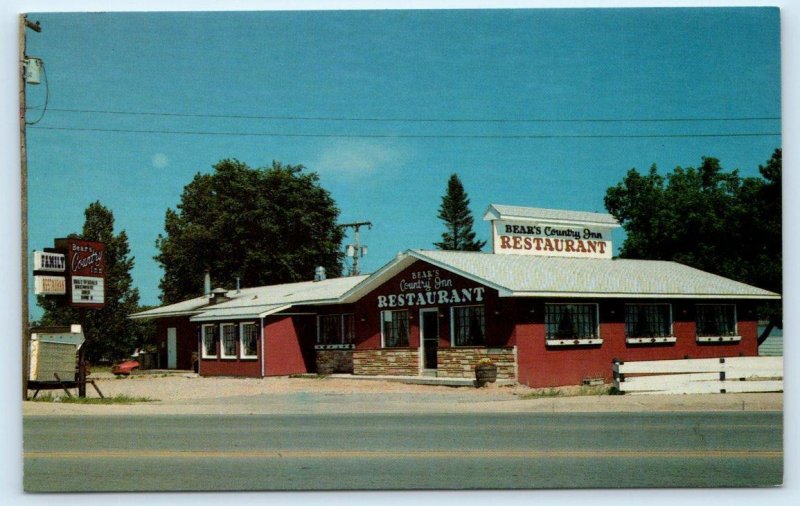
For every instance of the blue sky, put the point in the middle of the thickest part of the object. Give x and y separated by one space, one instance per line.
541 73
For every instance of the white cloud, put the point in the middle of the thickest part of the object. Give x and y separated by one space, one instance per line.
160 160
357 158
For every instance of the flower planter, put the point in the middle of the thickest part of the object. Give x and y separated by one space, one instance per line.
485 374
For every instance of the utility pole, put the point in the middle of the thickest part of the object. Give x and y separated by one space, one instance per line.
355 250
23 154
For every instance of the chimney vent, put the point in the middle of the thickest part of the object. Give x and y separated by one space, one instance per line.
319 273
218 295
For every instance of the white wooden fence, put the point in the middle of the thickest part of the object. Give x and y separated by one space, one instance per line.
703 375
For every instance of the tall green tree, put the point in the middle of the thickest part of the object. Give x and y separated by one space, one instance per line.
262 225
454 212
707 218
110 333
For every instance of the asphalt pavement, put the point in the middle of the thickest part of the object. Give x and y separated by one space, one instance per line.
417 438
403 451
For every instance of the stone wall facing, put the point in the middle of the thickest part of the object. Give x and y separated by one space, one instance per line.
460 362
334 361
386 362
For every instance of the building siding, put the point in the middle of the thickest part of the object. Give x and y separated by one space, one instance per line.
186 342
541 365
289 343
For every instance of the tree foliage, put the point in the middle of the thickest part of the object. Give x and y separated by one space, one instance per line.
706 218
454 212
109 331
264 226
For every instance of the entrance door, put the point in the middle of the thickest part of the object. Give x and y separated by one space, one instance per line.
172 348
429 329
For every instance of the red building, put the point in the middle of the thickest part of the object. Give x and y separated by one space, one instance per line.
549 306
261 331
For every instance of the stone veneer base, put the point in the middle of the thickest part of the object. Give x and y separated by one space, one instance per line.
452 362
334 361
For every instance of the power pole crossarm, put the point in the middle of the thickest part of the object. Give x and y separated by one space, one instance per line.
36 27
357 248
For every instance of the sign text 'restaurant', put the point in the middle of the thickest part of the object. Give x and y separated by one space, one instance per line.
551 240
453 296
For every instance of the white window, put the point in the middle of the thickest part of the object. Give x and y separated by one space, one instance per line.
468 324
394 329
335 330
716 321
209 341
228 348
567 324
348 329
648 323
248 345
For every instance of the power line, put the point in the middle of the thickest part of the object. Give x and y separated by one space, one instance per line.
413 136
419 120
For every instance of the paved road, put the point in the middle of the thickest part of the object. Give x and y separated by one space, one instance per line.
402 451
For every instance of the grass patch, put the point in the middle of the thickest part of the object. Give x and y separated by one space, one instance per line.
309 376
543 393
579 391
595 390
117 399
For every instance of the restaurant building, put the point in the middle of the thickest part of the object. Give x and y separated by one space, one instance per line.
549 306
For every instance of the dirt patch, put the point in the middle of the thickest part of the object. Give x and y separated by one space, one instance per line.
192 387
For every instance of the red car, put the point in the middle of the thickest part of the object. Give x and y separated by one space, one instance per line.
125 368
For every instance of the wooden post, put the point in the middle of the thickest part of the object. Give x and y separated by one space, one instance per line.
23 155
24 205
82 355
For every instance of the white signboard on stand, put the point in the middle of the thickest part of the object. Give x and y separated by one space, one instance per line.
49 285
550 232
540 238
87 290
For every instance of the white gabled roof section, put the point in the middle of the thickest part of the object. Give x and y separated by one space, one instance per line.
510 275
258 302
542 276
561 277
182 308
379 277
239 312
552 216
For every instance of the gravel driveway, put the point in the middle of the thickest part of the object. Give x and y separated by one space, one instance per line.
191 394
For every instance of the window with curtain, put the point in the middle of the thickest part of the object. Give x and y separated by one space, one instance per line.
249 340
648 320
228 348
209 335
571 321
469 326
394 328
716 320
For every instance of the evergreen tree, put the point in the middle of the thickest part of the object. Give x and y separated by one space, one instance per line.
261 225
457 218
109 331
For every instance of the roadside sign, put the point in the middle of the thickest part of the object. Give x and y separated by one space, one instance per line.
86 271
49 285
49 262
87 290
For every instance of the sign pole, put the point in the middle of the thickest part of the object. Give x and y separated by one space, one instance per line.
82 357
